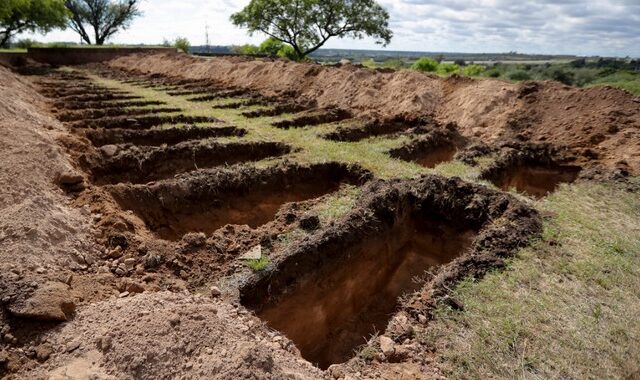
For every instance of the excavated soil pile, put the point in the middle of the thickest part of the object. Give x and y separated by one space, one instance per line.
601 124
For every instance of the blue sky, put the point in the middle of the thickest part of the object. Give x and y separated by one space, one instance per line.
582 27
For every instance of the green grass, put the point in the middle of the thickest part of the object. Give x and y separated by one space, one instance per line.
258 264
566 307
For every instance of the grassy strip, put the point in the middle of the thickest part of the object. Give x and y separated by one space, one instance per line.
567 307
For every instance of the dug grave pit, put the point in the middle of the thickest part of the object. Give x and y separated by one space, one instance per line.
535 180
206 200
535 170
431 149
142 164
158 136
332 293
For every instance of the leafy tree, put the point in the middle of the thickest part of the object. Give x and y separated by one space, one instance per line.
426 65
104 17
182 44
17 16
306 25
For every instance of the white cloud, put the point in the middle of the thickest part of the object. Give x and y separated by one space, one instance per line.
585 27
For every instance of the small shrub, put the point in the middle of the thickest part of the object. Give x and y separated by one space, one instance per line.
519 75
367 353
246 49
562 76
493 73
182 44
425 65
448 68
460 62
394 63
287 51
25 43
473 70
271 47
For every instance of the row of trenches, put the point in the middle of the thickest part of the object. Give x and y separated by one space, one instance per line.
343 281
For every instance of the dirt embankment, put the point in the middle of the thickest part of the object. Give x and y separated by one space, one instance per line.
41 236
598 123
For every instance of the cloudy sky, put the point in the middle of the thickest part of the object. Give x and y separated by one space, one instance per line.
582 27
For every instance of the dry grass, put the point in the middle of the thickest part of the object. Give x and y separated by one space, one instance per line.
567 307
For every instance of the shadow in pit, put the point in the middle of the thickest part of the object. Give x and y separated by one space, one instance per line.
434 147
344 284
530 169
207 200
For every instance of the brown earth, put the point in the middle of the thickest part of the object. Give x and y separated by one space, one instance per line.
138 280
600 123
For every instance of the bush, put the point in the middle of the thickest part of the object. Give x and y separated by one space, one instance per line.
394 63
448 68
25 43
182 44
519 75
246 49
460 62
271 47
287 51
493 73
425 64
562 76
473 70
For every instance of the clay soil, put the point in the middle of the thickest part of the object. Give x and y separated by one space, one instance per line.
140 244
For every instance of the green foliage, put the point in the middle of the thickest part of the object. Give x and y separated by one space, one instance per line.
25 43
271 46
306 25
104 17
425 64
395 63
182 44
17 16
519 75
473 70
247 49
258 264
566 77
448 68
288 52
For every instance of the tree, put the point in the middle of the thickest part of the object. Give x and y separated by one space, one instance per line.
426 65
105 17
182 44
306 25
17 16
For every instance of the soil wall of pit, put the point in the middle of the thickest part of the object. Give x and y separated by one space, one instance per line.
600 122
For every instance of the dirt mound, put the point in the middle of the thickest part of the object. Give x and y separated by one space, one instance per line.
167 335
601 124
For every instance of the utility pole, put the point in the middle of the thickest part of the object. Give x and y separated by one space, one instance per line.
206 34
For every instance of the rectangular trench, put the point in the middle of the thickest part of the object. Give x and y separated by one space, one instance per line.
335 308
242 196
